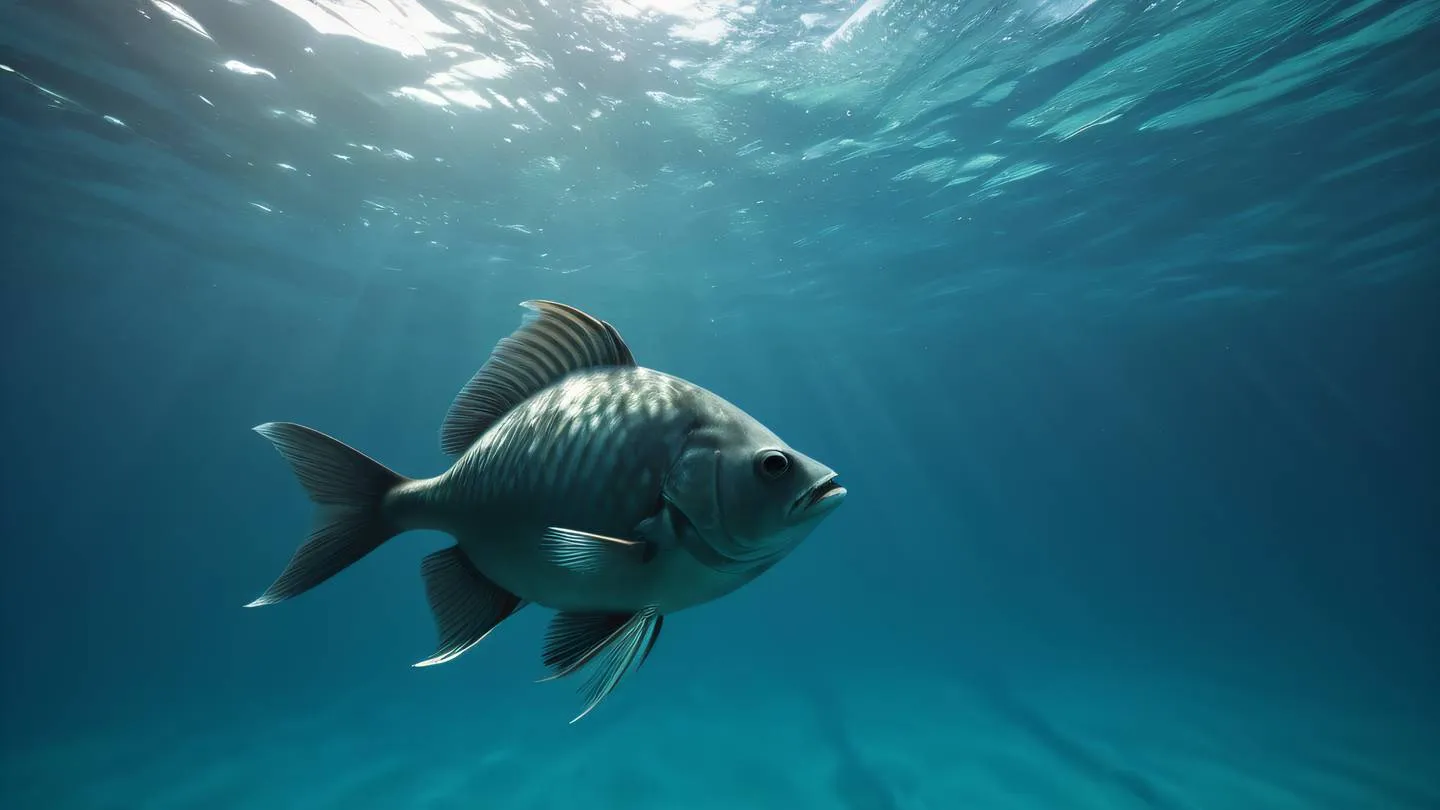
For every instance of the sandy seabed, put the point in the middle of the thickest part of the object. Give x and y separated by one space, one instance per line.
874 741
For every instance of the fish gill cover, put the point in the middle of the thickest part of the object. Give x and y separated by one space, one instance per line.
1116 318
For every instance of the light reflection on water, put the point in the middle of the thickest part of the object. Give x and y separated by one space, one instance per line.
799 136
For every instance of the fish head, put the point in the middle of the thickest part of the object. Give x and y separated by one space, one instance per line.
750 497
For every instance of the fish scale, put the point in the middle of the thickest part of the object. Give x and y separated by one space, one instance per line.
601 474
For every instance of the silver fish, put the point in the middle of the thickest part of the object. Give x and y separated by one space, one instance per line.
611 493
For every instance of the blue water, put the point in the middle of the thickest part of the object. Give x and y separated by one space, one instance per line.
1118 320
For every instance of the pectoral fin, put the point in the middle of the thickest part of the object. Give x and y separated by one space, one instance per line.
592 553
615 643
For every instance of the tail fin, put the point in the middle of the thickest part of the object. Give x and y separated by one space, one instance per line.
349 488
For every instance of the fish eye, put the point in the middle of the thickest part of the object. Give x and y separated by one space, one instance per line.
772 463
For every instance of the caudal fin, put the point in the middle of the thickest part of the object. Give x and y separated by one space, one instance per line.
349 489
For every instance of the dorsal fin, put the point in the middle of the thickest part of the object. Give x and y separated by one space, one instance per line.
552 341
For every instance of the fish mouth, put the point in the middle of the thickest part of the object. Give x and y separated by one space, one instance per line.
825 493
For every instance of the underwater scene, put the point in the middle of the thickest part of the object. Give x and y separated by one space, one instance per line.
720 405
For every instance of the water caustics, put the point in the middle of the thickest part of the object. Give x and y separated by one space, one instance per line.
577 137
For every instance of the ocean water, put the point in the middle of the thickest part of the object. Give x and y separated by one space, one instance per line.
1117 319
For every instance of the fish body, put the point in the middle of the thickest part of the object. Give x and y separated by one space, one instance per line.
591 452
612 493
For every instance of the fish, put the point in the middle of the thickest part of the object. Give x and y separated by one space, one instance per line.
582 482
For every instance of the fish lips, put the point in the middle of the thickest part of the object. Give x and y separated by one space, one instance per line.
823 496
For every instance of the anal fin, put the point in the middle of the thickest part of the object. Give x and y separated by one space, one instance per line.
614 643
465 604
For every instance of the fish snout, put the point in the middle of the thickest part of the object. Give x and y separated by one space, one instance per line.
823 494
